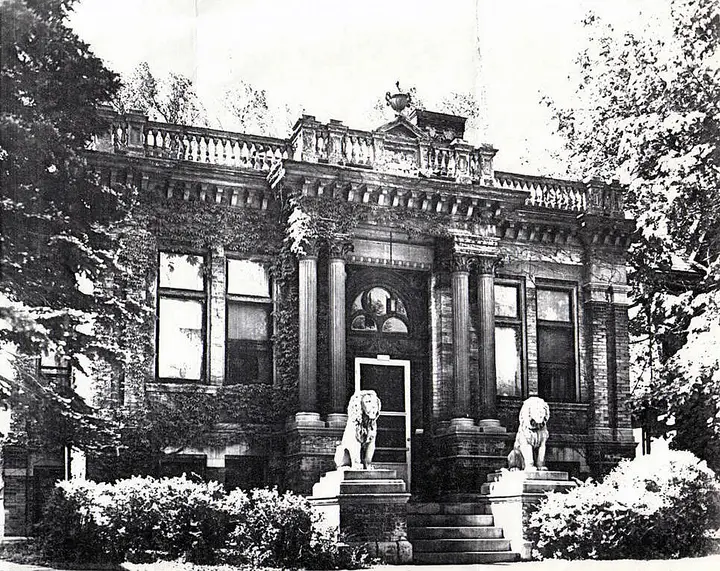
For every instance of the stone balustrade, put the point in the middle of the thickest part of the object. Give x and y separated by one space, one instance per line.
334 143
592 196
132 133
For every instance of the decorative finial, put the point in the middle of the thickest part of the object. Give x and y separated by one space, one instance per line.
398 101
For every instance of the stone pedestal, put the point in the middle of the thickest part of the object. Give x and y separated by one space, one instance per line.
467 453
511 496
368 507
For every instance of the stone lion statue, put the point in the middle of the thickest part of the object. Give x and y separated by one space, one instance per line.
531 436
357 446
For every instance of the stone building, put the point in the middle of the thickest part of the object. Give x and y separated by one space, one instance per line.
291 272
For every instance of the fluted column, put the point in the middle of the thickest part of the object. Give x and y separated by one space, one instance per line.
486 336
461 335
336 324
307 323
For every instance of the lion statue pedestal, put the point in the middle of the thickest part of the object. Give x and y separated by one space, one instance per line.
528 453
357 447
359 500
512 493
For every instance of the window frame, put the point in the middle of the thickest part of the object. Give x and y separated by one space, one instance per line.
266 302
351 315
571 288
519 323
183 295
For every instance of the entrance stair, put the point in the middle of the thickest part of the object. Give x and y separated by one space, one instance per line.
456 533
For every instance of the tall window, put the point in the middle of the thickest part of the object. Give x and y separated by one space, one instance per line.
248 358
556 344
508 340
181 317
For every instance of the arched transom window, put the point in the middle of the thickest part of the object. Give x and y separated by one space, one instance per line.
377 309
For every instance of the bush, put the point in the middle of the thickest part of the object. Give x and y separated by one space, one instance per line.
145 520
656 506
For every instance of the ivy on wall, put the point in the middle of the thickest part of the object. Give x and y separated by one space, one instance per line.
287 230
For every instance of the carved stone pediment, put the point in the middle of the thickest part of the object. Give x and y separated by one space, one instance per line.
403 129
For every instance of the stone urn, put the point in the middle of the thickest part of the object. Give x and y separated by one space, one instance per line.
398 101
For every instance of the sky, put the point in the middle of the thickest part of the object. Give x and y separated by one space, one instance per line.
334 59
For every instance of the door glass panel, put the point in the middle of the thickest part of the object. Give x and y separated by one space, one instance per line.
389 384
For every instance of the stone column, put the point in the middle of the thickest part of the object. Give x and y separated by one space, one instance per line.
486 336
307 323
461 335
336 323
216 348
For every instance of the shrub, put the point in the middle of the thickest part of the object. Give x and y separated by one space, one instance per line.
282 530
71 529
139 519
656 506
146 520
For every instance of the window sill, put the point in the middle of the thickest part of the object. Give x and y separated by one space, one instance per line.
180 387
567 405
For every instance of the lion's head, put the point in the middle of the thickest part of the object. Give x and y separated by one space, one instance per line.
534 414
363 411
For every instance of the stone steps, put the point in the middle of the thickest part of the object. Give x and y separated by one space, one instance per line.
454 533
446 532
445 520
468 557
372 487
464 545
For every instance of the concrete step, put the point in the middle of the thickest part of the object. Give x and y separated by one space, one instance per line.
452 520
468 557
372 487
533 475
532 486
448 508
453 532
375 474
462 545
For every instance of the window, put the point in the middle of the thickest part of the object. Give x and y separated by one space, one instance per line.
376 309
508 340
181 317
248 358
556 344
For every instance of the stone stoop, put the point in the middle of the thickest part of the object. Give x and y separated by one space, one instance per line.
368 507
511 496
456 533
537 482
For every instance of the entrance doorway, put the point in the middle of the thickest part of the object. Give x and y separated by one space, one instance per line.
390 379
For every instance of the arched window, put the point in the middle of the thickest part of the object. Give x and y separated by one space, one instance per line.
377 309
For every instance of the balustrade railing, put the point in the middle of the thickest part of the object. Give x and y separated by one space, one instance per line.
335 143
133 133
546 192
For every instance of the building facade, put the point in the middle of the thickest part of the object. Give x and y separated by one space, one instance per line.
288 273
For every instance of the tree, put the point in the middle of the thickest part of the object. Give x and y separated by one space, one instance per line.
646 110
60 225
171 98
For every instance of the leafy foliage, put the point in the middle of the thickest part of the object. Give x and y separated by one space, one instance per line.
646 111
650 507
60 225
145 519
171 98
248 109
190 419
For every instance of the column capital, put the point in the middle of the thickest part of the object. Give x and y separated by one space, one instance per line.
604 292
309 250
486 265
340 246
461 263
